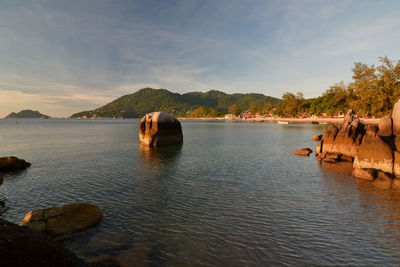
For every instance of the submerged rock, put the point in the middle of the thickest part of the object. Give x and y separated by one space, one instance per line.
303 152
21 246
12 164
160 129
61 222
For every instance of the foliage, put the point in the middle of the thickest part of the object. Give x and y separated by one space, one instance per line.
147 100
373 92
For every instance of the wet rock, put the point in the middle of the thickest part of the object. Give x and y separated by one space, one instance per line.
160 129
374 154
21 246
368 174
12 164
332 157
316 137
303 152
61 222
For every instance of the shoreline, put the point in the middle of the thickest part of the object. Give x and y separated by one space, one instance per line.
291 120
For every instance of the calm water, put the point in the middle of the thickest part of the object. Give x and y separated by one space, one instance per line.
232 195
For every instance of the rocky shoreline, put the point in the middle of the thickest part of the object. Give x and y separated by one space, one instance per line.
373 149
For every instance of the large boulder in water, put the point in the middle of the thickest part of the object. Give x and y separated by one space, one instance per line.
61 222
12 164
21 246
373 155
160 129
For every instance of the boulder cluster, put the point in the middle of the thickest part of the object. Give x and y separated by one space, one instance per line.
373 149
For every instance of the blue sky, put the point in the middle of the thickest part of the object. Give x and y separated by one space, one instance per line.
62 57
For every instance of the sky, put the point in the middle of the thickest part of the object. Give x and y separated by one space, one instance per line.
62 57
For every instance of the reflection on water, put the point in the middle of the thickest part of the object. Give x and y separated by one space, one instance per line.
155 156
232 195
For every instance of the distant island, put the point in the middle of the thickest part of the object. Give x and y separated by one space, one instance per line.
27 114
195 104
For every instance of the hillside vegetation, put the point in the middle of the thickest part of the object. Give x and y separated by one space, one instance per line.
373 91
195 104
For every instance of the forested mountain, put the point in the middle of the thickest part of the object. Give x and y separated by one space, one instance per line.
27 114
195 104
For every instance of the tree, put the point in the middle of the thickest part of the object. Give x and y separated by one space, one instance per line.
234 109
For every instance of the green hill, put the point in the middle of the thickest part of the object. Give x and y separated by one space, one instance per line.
180 105
27 114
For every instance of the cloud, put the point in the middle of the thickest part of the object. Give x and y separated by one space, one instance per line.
77 55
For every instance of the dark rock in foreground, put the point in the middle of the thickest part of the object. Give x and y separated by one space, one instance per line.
61 222
12 164
160 129
303 152
21 246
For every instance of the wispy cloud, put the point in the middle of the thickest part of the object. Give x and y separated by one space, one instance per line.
67 56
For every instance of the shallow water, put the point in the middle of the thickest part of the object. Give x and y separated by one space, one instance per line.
232 195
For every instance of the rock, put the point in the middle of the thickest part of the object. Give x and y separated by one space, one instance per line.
159 129
349 115
396 163
348 138
344 141
316 137
368 174
61 222
106 261
303 152
396 118
332 157
374 153
21 246
327 139
12 164
385 126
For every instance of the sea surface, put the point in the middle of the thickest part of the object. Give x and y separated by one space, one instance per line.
232 195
